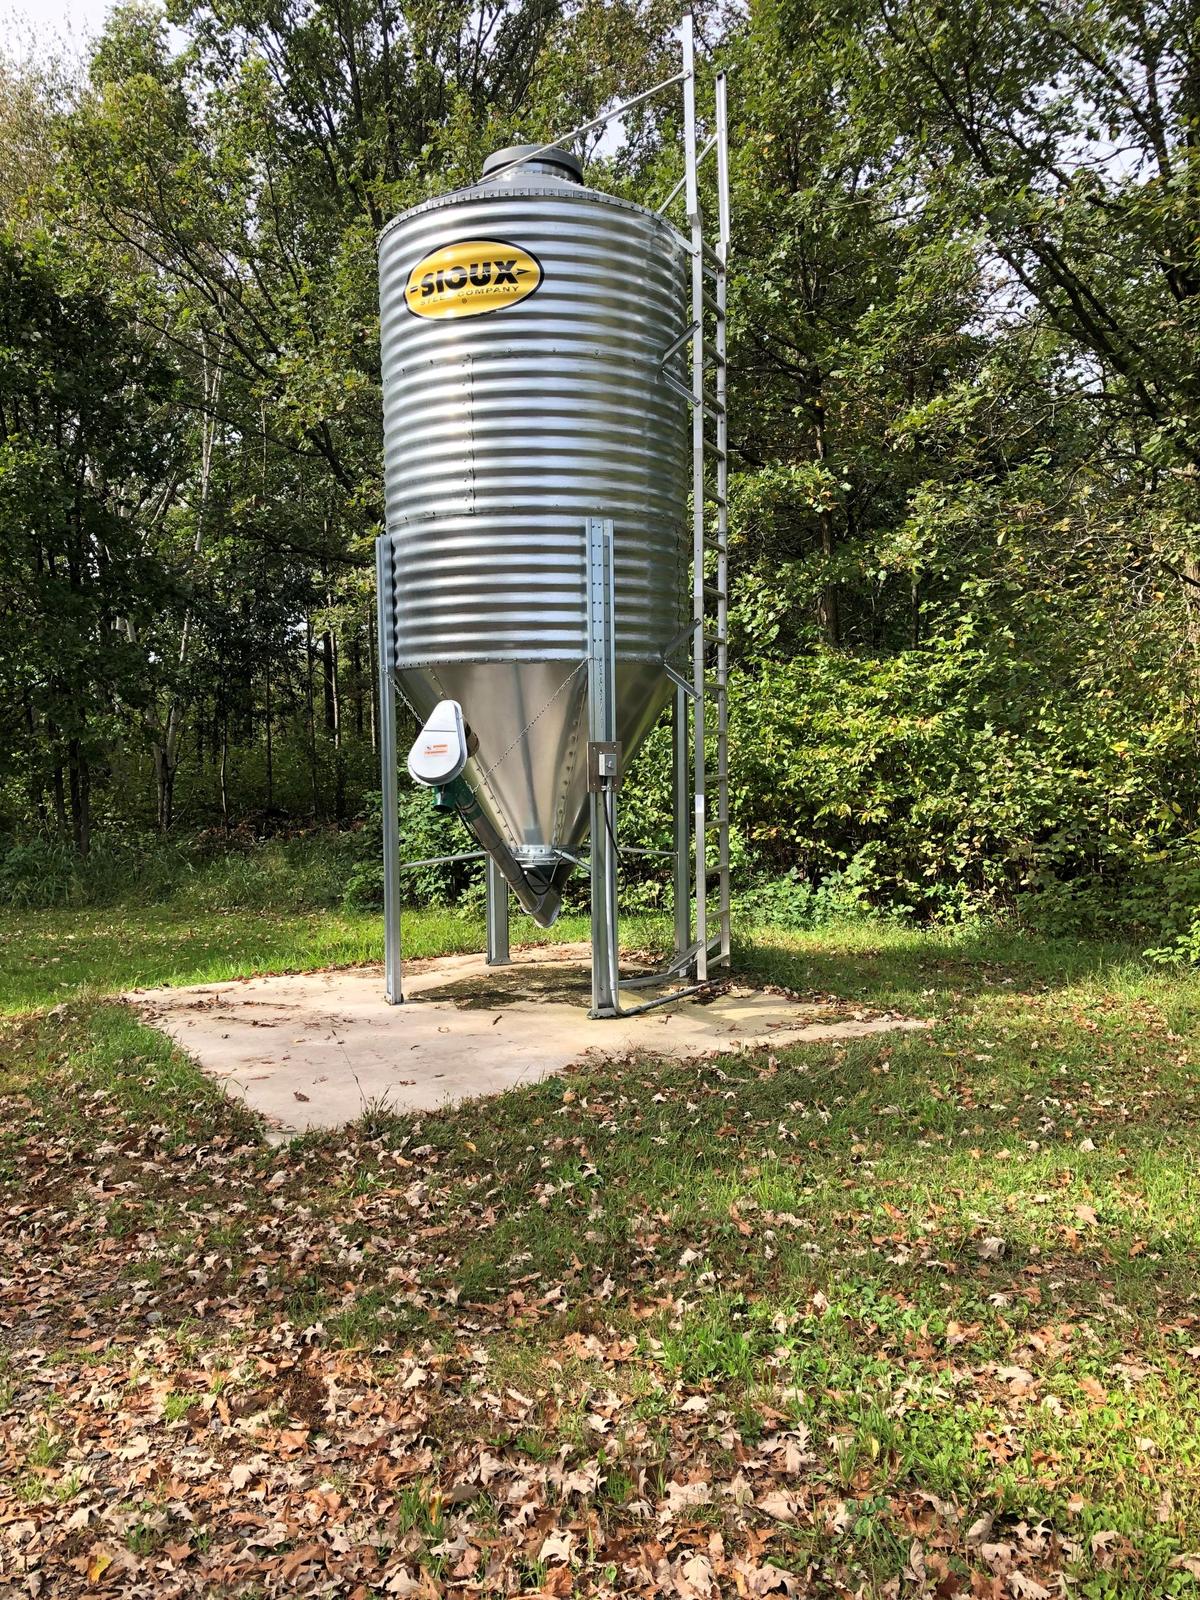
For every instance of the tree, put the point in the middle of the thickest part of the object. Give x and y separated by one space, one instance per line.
1063 139
86 452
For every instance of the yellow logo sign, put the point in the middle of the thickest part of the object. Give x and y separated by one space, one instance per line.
471 277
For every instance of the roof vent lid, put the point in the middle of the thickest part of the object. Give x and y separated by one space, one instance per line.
563 164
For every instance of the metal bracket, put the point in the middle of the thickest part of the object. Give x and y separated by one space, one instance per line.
676 346
604 766
681 389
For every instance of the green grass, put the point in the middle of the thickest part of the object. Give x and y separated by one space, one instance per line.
954 1270
47 957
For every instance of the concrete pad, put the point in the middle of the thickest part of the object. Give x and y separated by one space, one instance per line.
315 1049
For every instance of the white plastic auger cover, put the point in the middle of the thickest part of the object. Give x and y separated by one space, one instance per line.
440 751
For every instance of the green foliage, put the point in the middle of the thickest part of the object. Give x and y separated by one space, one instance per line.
963 313
424 833
204 873
85 436
918 781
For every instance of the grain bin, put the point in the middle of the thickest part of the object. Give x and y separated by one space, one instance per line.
554 565
524 322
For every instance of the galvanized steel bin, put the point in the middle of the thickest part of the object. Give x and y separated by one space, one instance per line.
524 322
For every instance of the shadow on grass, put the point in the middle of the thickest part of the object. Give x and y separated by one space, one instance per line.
912 969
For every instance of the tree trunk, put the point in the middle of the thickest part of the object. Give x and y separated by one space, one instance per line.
223 770
339 763
37 789
356 669
60 800
81 799
164 773
328 676
829 605
312 716
166 747
270 743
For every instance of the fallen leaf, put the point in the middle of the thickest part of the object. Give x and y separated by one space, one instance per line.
778 1504
557 1545
99 1561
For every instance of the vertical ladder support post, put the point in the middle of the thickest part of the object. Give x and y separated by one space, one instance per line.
497 917
696 227
602 730
389 780
722 529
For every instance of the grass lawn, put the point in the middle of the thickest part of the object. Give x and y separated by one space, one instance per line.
911 1315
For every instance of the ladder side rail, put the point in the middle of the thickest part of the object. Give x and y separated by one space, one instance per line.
681 820
699 720
721 385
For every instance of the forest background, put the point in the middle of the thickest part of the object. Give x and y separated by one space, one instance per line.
965 615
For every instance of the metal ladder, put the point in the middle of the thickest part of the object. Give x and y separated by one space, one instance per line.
701 712
710 522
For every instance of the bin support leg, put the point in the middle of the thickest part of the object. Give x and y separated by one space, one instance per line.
603 777
389 784
497 917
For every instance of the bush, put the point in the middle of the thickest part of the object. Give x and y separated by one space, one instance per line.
925 778
424 833
208 872
940 782
39 873
791 902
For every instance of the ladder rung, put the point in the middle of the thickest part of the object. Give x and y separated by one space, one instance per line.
711 304
711 449
706 398
719 545
716 638
710 255
715 592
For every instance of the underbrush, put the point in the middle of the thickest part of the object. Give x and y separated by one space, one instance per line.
325 869
205 872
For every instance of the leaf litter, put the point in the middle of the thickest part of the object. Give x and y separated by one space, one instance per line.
467 1354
